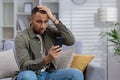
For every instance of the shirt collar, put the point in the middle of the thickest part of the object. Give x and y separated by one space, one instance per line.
31 33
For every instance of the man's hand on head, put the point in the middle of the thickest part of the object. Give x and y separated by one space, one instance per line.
49 13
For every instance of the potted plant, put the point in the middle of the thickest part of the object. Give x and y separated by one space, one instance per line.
113 36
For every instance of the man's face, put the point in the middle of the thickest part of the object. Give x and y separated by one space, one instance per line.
39 22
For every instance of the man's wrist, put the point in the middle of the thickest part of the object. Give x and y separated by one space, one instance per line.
56 21
46 59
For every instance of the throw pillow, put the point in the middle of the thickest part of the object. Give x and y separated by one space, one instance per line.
64 59
8 63
8 44
80 61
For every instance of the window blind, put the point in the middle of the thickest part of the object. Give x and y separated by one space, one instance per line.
80 20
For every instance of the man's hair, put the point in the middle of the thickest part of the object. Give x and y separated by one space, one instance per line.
36 9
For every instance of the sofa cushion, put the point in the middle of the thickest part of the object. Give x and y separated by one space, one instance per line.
80 61
64 59
8 63
77 46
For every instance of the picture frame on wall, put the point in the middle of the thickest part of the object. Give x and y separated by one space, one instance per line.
28 7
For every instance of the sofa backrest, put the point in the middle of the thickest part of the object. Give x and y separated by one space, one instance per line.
9 44
6 45
77 47
1 46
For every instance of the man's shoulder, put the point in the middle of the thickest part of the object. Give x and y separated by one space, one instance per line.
22 34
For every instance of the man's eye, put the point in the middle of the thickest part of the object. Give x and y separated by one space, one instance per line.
39 21
46 21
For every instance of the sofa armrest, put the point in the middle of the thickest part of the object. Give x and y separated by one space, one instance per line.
94 72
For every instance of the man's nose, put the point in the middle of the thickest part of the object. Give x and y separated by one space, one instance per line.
42 24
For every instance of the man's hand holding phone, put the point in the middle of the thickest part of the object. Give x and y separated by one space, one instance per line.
52 54
54 51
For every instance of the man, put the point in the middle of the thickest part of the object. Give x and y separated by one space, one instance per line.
36 51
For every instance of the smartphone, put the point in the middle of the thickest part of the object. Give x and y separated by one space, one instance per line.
59 41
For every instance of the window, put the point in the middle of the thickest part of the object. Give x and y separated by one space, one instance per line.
80 19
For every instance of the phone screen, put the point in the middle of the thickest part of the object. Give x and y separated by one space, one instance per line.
59 41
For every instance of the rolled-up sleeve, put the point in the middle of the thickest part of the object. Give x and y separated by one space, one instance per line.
66 34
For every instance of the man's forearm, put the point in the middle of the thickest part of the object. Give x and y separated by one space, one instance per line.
65 33
35 65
